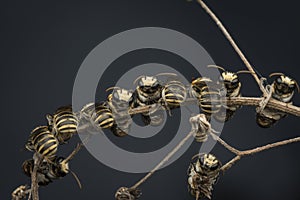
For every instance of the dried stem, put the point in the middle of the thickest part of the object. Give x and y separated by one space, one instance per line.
273 103
243 101
227 146
240 154
233 44
159 165
34 182
229 164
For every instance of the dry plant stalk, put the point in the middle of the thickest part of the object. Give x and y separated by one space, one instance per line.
34 183
34 194
248 101
245 101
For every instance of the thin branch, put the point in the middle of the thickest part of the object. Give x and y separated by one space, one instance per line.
270 146
229 164
232 42
169 155
34 182
227 146
243 101
273 103
74 152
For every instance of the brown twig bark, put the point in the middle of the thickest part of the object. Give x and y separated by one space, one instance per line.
34 182
160 164
233 44
243 101
241 154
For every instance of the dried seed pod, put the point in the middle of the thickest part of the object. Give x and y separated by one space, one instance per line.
202 175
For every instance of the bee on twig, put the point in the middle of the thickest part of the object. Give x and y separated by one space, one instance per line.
149 92
20 192
282 89
48 171
208 95
125 193
232 88
63 123
119 103
42 141
203 174
174 94
201 127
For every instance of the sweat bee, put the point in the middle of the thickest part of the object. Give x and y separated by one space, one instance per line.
64 123
20 192
283 89
203 174
208 95
42 141
124 193
49 171
148 92
174 94
102 117
119 103
232 87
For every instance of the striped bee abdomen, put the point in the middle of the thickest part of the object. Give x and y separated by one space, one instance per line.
209 100
64 123
43 142
174 94
102 116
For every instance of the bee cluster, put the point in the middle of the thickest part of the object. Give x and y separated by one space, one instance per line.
44 141
114 114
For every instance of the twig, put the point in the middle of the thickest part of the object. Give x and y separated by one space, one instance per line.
34 182
169 155
233 44
229 164
273 103
227 146
74 152
244 101
270 146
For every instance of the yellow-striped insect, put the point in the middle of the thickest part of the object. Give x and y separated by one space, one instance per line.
64 123
102 117
42 141
283 89
203 173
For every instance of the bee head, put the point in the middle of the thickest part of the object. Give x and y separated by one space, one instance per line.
121 96
209 161
230 79
284 84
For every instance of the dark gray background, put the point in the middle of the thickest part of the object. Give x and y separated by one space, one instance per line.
44 43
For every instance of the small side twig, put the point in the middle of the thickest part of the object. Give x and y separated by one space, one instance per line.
159 165
227 146
241 154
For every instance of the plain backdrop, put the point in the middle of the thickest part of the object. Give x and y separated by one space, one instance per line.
43 44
